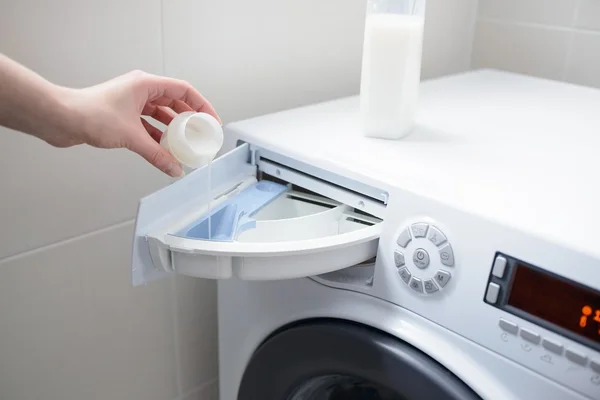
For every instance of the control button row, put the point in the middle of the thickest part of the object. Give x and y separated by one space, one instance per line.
422 230
435 236
550 345
427 286
420 258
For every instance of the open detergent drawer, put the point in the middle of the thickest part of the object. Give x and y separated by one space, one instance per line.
266 217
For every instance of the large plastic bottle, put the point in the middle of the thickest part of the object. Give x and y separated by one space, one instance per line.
194 139
391 67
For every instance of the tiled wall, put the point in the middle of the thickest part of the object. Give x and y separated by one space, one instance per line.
72 327
555 39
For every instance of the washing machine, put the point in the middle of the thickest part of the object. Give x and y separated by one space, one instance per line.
462 262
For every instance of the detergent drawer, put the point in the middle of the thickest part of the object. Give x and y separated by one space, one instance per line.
256 215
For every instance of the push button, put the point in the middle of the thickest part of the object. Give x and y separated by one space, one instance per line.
576 357
492 293
430 286
447 255
442 277
530 336
595 366
416 284
499 267
404 274
436 236
508 326
419 230
552 346
404 238
399 259
421 258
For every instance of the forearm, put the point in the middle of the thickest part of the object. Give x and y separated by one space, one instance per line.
29 103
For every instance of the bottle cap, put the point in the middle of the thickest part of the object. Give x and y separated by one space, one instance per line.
193 138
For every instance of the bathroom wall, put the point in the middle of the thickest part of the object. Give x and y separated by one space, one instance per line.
72 325
555 39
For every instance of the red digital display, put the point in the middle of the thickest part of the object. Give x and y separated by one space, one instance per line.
557 301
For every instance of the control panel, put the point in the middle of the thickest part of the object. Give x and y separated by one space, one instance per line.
553 318
558 304
424 258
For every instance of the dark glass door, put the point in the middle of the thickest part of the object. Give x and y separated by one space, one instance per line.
340 360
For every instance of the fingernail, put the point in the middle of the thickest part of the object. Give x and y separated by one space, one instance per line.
175 170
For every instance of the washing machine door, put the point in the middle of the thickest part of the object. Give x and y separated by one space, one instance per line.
337 360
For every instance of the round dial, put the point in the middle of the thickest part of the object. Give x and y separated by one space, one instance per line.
424 258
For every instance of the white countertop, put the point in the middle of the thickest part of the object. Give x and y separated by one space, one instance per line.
518 150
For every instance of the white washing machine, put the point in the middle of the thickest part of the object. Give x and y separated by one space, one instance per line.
462 262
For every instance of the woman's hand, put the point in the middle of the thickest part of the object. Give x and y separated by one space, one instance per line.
110 114
107 115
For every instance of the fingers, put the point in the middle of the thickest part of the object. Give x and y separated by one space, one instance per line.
154 132
166 91
157 155
162 114
176 105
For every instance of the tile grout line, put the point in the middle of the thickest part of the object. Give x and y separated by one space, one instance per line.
571 41
65 241
162 38
559 28
175 300
176 341
473 32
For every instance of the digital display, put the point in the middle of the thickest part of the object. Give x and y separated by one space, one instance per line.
568 305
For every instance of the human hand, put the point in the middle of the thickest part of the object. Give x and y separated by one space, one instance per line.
108 115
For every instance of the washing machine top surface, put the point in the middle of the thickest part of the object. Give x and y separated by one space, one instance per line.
517 150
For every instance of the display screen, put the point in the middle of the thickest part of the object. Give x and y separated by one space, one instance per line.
559 302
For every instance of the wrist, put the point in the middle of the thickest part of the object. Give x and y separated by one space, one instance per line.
67 118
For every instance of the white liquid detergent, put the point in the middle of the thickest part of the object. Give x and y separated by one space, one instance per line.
194 139
210 201
391 73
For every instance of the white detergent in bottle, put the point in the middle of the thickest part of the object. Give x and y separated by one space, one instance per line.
194 139
391 67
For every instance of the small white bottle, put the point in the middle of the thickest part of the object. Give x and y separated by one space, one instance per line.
391 67
193 138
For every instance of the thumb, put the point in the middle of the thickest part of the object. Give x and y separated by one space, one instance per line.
157 155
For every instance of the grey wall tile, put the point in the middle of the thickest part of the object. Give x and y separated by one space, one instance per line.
545 12
522 49
583 66
73 327
50 194
448 37
588 16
